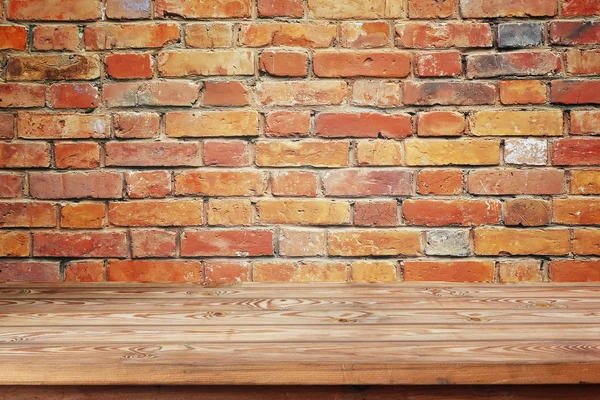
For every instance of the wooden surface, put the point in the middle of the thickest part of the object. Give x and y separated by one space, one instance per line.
285 334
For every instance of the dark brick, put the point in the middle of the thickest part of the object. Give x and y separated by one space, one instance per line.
520 35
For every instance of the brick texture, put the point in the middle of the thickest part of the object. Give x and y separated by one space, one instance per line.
227 141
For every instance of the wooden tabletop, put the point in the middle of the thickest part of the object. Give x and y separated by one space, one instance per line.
299 334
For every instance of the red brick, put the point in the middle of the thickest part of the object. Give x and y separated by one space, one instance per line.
583 62
516 64
129 66
77 155
56 37
585 181
449 271
82 215
282 271
54 10
76 185
441 123
527 212
305 153
284 34
332 64
367 182
281 8
212 123
374 242
508 8
575 271
518 241
431 8
13 37
439 64
28 271
451 212
576 211
376 213
376 93
63 126
208 36
11 186
130 36
156 93
203 9
154 271
514 181
24 155
80 244
226 94
84 271
575 92
229 212
201 63
429 35
7 126
227 271
576 152
576 8
22 95
220 183
52 67
365 35
363 125
287 123
365 9
74 95
128 9
153 243
136 125
449 93
294 184
27 215
586 242
148 184
226 153
227 243
14 244
574 32
440 182
284 63
303 212
307 93
156 213
148 154
302 242
523 92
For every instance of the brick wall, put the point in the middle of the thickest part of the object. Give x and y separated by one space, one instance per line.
300 140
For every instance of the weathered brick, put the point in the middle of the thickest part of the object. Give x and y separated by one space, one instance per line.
357 182
11 186
526 151
523 92
80 244
576 152
63 126
575 271
294 184
379 153
28 271
449 271
154 271
309 93
220 183
281 8
27 215
431 8
129 66
56 37
229 212
148 184
451 212
52 67
13 37
128 9
574 32
376 271
287 123
15 244
526 212
429 35
148 154
367 9
302 242
516 181
284 63
84 271
74 95
7 126
226 272
452 152
54 10
305 153
158 93
508 8
24 155
520 271
441 123
77 155
283 34
371 125
439 64
517 123
376 213
153 243
364 35
212 123
136 125
374 242
518 35
575 92
576 211
156 213
76 185
448 242
203 9
191 63
208 36
583 62
320 271
376 93
227 243
440 182
586 242
225 94
515 241
449 93
585 181
584 8
333 64
22 95
282 271
226 153
303 212
514 64
82 215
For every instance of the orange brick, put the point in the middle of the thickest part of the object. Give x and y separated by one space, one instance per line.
212 123
208 36
130 36
586 242
376 93
452 152
451 212
148 154
15 244
311 271
576 211
201 9
357 182
156 213
303 212
28 271
570 151
129 66
449 271
77 155
83 215
441 123
63 126
153 243
284 63
147 184
287 123
522 92
573 8
31 214
56 37
294 184
512 181
22 95
76 95
53 67
227 272
527 212
514 241
281 8
329 64
227 243
365 35
585 122
226 153
11 185
228 212
283 271
585 181
54 10
24 155
308 93
377 271
305 153
302 242
84 271
282 34
503 8
517 123
200 63
361 243
154 271
440 182
220 183
225 94
363 125
520 271
80 244
429 35
431 8
366 9
13 37
439 64
156 93
136 125
379 153
575 271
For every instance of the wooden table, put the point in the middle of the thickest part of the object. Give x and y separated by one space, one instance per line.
290 334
